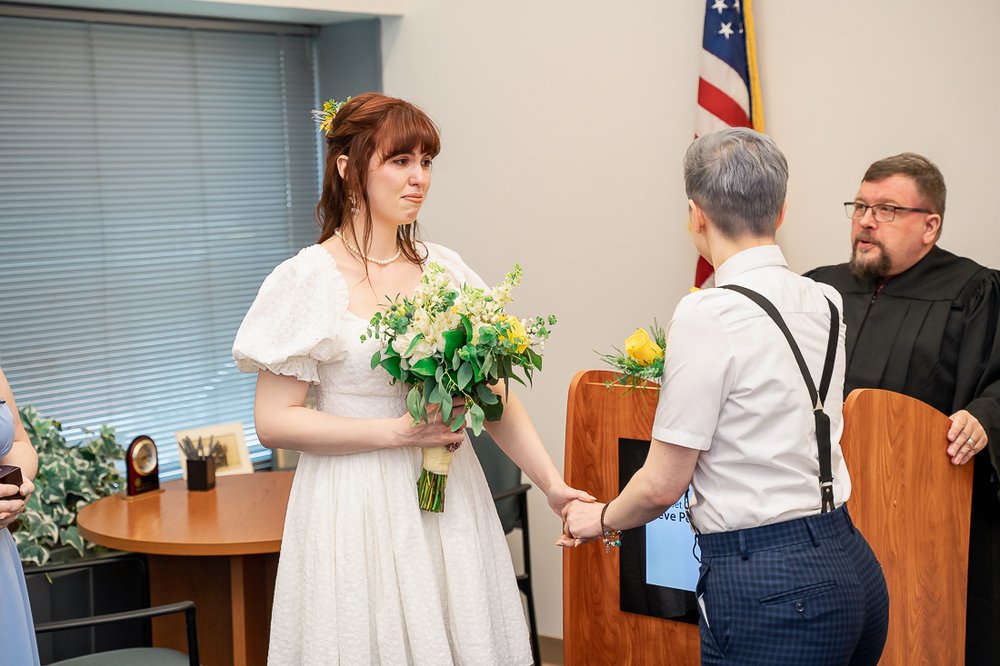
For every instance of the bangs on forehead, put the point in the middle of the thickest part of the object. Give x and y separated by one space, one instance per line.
407 130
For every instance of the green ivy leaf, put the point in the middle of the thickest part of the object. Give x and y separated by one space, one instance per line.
32 553
71 537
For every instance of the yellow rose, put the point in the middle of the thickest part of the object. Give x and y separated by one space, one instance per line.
641 348
517 335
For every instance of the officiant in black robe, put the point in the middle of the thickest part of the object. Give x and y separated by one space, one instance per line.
926 323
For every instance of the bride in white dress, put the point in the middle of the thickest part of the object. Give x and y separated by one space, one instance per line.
365 576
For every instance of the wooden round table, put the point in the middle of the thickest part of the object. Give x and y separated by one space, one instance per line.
218 548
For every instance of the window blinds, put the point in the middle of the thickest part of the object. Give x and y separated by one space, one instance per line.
150 178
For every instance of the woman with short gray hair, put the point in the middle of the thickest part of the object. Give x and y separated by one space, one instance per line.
752 424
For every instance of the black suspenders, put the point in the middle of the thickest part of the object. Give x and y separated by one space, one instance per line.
817 397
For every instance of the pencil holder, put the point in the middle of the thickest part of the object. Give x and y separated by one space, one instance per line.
201 474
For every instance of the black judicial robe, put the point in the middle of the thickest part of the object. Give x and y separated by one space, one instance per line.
933 333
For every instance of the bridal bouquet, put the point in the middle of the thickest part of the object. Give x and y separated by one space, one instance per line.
447 343
642 359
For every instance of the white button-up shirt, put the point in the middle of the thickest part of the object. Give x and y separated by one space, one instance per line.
732 389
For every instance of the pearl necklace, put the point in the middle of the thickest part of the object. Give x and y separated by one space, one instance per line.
357 253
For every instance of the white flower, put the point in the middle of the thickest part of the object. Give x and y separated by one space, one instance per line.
424 348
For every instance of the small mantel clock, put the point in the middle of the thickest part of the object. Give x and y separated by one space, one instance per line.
142 469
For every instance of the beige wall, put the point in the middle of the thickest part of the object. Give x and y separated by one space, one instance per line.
564 125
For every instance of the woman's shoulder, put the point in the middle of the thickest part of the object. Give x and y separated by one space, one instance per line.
309 276
441 254
453 263
312 264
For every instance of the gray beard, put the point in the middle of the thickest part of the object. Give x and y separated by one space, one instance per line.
871 269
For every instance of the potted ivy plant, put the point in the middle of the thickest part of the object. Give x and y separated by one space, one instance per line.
70 476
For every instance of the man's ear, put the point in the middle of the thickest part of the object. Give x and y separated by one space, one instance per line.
342 165
932 229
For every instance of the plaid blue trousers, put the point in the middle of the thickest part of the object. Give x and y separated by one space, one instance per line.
804 592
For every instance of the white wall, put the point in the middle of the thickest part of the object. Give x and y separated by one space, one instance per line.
564 125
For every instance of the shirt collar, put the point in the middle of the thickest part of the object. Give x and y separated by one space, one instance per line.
747 260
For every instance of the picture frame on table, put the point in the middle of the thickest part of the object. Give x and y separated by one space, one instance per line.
233 456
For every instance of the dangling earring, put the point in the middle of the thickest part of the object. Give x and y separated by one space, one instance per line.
354 204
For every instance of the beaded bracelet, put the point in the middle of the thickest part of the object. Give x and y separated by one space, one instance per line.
611 538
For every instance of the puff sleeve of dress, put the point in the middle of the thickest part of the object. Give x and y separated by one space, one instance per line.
293 325
457 269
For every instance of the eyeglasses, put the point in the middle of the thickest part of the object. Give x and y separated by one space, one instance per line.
881 212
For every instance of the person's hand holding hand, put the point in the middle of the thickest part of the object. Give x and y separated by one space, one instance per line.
967 437
560 495
581 523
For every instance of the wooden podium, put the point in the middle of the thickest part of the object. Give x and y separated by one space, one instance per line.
595 629
913 506
908 499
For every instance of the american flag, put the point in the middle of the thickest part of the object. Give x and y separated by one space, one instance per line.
728 87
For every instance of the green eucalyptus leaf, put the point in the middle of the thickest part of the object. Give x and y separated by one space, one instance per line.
376 358
413 404
494 411
446 408
486 396
477 416
487 336
458 422
464 376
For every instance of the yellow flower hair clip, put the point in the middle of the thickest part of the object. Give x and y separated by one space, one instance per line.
330 110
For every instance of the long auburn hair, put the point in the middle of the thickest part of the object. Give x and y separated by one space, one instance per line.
369 124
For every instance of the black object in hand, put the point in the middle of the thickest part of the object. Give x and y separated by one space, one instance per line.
12 474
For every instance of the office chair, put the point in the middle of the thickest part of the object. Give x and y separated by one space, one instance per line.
140 656
511 499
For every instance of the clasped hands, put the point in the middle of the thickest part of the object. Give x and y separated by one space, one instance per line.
581 522
10 509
